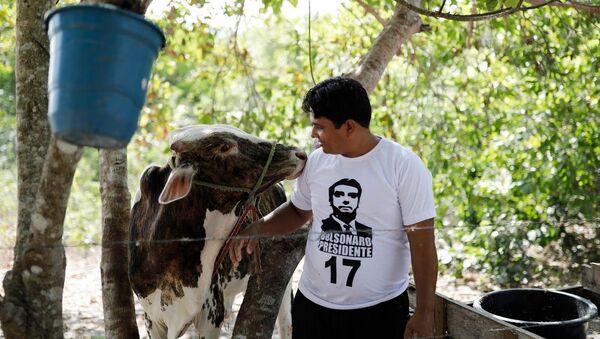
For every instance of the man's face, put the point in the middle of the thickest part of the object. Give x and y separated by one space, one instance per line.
332 140
345 198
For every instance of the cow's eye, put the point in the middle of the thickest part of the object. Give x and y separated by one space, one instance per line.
225 148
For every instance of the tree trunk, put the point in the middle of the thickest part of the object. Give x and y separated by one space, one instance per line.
399 29
32 306
44 257
136 6
40 270
279 258
33 135
117 298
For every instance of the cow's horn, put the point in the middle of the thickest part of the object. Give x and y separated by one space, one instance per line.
178 146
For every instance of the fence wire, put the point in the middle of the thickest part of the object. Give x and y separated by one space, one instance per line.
505 227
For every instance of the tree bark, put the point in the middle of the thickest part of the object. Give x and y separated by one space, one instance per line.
33 135
257 315
117 298
44 258
136 6
592 10
40 270
398 30
32 306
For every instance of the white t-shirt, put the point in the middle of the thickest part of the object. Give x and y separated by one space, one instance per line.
357 253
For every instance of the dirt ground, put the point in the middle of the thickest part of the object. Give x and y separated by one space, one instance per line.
82 301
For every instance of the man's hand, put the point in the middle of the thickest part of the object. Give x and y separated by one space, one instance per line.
420 325
237 247
283 220
424 264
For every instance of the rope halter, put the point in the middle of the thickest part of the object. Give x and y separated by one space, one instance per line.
248 211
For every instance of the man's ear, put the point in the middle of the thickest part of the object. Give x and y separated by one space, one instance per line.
351 127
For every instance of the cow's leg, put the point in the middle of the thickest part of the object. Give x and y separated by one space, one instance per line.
204 325
154 329
204 322
284 317
173 333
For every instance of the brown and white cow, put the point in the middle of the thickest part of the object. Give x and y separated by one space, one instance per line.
178 227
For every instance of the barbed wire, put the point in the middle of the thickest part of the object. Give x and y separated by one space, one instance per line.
490 330
507 226
310 232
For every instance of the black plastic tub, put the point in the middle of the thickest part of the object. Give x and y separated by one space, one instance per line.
548 313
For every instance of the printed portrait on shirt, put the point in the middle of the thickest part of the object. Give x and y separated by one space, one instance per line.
341 233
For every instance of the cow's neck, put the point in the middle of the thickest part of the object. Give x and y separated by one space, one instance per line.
200 215
217 226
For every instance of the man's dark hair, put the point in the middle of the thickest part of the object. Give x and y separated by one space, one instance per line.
344 182
339 99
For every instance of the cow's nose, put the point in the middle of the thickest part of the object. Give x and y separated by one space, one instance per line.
301 155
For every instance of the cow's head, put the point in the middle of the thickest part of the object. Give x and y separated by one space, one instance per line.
225 155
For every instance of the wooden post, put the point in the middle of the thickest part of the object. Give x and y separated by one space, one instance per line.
459 320
590 277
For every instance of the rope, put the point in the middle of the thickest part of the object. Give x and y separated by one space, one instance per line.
249 210
262 175
223 187
310 47
252 192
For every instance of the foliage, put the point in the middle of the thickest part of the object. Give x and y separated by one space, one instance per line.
83 221
8 208
521 126
7 85
503 112
8 176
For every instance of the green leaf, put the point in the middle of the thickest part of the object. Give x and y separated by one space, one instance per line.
491 5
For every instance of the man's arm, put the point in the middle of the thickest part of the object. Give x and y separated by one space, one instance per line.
283 220
424 267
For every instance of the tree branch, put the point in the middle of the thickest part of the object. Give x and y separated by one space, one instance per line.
578 6
145 4
475 17
136 6
442 6
399 29
242 57
371 11
117 299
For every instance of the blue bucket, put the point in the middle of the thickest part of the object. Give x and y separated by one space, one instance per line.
100 63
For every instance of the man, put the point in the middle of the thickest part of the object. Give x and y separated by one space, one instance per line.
353 288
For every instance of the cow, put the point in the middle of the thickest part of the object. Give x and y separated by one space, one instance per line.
182 215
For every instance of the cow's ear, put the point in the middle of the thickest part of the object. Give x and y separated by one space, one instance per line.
178 185
145 182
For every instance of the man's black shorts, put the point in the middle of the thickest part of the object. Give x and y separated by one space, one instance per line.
385 320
